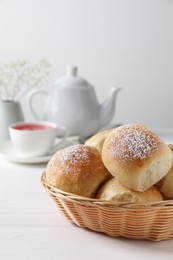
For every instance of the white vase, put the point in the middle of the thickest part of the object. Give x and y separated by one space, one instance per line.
10 112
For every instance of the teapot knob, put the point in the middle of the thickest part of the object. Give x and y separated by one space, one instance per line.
71 71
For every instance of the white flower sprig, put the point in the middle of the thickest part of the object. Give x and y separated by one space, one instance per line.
16 78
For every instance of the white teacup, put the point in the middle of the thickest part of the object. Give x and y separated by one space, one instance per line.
32 139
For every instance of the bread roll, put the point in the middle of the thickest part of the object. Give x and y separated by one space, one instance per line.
98 139
77 169
113 190
165 185
136 156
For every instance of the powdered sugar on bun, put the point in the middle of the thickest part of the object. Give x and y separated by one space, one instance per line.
71 156
131 142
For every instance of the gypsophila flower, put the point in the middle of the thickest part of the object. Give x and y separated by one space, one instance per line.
18 77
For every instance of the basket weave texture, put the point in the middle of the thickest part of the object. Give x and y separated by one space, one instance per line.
152 221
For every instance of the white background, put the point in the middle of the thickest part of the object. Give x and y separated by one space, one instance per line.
128 43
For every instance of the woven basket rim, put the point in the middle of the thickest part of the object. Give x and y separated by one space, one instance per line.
93 201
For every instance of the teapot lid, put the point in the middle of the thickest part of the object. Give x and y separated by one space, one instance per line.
71 80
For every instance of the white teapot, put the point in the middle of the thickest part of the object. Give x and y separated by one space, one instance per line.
73 103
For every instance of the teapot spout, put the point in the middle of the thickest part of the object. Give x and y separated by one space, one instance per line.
107 109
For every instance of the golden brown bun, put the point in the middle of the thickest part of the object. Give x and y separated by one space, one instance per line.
98 139
136 156
165 185
77 169
113 190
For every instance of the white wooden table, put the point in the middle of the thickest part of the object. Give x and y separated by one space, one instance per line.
31 226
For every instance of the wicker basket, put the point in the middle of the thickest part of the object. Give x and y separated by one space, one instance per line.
135 221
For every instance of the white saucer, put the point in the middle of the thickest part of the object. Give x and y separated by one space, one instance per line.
8 151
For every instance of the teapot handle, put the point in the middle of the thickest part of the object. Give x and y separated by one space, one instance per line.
30 101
